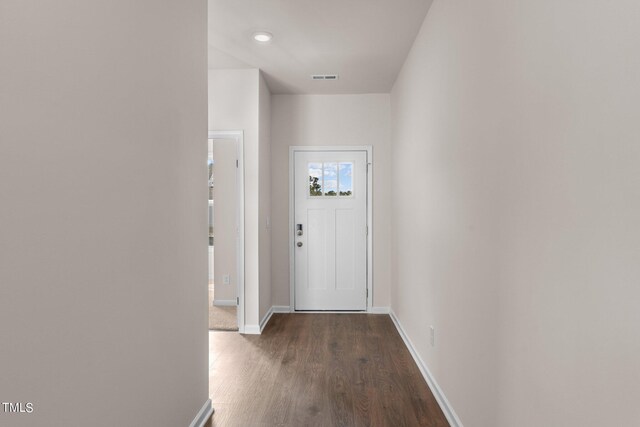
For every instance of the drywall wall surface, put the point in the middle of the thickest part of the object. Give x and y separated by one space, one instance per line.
445 244
264 130
330 120
233 105
515 160
103 265
571 257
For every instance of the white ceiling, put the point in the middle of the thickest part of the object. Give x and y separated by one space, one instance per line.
365 42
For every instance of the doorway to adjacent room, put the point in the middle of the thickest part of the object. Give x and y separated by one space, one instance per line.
226 231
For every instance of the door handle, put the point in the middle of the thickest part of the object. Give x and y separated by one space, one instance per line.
299 244
299 229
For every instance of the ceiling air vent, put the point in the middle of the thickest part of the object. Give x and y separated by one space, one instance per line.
324 77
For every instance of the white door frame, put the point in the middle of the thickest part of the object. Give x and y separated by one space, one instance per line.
238 136
292 151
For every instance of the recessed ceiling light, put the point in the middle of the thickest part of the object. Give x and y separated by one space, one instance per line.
262 37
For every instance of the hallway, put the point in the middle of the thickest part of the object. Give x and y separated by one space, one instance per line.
319 369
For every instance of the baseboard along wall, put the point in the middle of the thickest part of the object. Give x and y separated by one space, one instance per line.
203 415
268 314
449 413
225 302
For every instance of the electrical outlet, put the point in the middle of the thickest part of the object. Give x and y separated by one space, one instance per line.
226 279
433 335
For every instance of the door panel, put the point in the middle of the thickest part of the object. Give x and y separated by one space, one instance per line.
330 245
316 243
345 248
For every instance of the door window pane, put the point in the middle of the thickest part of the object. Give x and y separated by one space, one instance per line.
315 179
330 179
345 172
333 179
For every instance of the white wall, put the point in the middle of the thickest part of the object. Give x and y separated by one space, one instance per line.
515 160
264 220
330 120
103 265
234 104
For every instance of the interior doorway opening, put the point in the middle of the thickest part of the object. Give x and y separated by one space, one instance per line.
226 231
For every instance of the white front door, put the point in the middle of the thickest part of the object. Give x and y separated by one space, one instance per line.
330 227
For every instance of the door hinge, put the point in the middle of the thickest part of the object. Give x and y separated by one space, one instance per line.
237 300
366 229
367 292
237 163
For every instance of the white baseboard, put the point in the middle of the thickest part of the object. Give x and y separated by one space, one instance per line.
203 415
379 310
273 309
252 329
225 302
266 319
451 415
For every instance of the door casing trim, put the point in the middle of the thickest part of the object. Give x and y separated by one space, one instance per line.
369 150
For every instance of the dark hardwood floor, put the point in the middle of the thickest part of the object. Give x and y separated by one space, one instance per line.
319 370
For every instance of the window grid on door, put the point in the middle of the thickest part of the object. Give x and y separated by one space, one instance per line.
330 179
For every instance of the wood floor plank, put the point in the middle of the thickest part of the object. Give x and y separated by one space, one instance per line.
319 370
